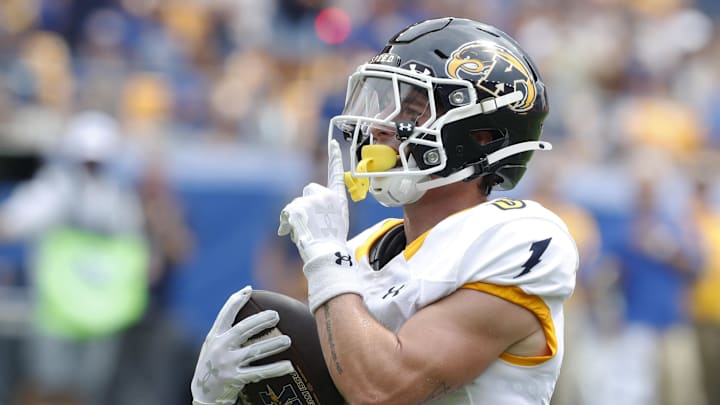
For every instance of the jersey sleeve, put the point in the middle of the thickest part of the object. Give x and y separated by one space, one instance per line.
536 255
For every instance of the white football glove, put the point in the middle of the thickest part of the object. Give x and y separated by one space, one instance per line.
318 223
222 369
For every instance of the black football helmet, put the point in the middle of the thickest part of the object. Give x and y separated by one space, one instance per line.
437 84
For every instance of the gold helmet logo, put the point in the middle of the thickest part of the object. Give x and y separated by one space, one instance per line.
495 70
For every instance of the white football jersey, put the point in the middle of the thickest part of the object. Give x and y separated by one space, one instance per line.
514 249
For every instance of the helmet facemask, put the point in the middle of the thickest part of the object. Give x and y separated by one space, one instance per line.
403 104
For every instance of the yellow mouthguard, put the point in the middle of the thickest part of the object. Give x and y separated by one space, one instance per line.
375 158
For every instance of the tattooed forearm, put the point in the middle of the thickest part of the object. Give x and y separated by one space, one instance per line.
441 388
331 341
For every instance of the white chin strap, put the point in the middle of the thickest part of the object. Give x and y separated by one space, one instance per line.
394 191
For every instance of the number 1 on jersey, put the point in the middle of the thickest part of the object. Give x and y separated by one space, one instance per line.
537 249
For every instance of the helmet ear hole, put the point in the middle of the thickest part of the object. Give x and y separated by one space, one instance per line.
482 136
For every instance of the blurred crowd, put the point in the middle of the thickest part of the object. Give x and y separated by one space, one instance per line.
212 101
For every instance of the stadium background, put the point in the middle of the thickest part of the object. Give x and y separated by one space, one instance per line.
230 100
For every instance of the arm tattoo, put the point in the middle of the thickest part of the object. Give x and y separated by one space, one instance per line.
441 388
331 341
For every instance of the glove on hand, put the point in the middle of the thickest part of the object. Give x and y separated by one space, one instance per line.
318 223
222 368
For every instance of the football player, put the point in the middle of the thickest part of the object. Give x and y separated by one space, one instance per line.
461 300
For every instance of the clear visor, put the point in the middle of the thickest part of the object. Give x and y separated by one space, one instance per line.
389 99
387 102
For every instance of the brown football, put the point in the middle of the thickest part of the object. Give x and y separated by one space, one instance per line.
311 383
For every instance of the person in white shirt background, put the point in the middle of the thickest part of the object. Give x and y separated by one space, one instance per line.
86 228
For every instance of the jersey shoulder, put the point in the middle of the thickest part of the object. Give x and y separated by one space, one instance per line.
507 209
511 243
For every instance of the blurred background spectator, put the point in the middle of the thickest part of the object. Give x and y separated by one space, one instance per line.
87 281
705 300
222 107
654 353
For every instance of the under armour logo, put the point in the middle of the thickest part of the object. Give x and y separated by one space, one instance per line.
211 372
327 213
405 126
343 258
414 68
393 291
404 129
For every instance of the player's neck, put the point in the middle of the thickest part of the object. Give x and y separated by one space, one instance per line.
438 204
